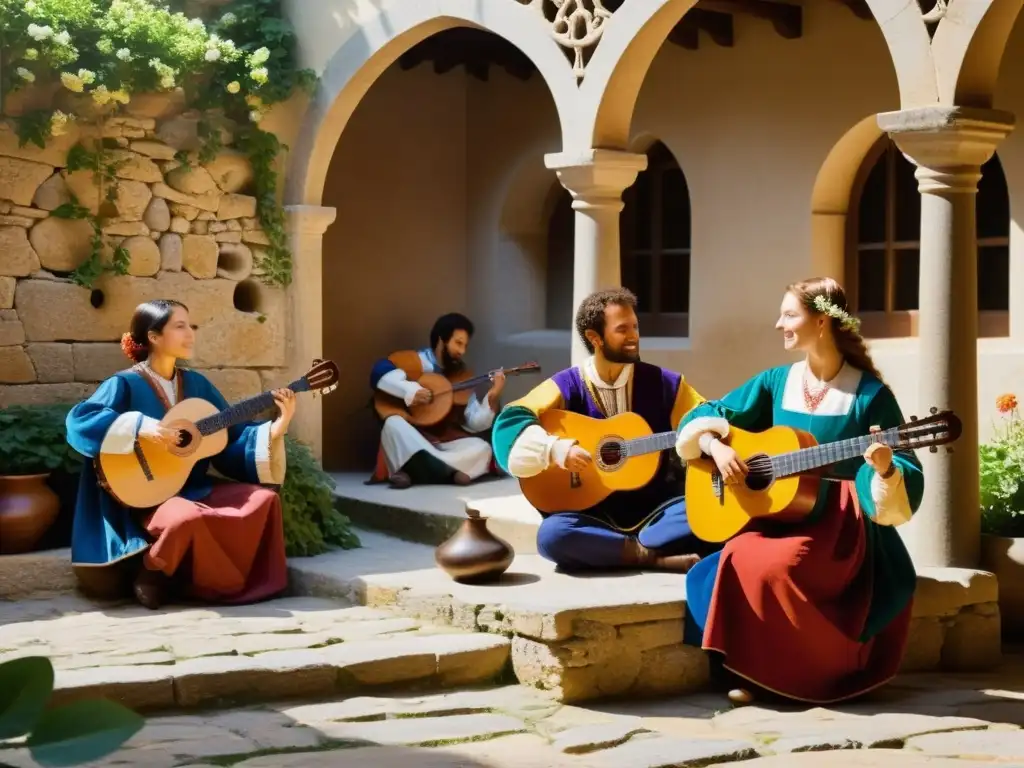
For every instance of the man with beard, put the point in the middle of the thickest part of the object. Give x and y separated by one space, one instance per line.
645 528
449 452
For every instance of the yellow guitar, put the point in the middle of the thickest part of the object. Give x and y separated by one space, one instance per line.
152 474
626 455
780 463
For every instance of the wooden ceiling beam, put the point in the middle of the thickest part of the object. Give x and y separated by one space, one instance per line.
717 26
786 18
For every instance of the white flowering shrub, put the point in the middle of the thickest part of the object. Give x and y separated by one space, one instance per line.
233 66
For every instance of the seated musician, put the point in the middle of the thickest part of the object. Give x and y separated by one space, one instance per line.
828 598
452 452
222 541
642 528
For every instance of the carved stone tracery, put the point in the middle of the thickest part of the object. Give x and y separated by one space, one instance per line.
576 25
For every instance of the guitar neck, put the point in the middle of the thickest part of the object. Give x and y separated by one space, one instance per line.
815 457
246 410
478 380
656 443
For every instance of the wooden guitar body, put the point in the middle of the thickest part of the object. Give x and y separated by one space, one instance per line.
717 518
558 490
123 475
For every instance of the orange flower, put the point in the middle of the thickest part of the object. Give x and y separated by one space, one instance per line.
1006 403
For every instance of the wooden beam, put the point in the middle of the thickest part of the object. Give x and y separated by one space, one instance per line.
685 34
786 18
718 26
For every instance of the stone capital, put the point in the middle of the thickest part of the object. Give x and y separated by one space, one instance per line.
948 144
596 177
309 219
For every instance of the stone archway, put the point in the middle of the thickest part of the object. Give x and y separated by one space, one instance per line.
349 71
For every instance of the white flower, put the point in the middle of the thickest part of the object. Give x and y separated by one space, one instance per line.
101 95
37 32
62 38
58 123
228 19
255 116
30 7
25 75
87 76
234 87
167 82
196 24
259 56
259 75
124 54
72 82
212 54
120 96
31 54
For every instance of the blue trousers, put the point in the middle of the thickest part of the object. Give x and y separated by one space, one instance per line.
576 541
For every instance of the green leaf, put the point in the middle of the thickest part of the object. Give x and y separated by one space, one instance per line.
82 732
25 688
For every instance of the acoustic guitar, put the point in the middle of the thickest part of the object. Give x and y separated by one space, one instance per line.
444 392
153 473
783 480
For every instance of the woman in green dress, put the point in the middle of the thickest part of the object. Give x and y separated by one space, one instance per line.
817 611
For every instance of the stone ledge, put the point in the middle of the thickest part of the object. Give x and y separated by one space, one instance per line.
613 634
35 574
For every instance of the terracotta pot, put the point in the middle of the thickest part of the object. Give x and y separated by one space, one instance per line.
28 508
474 554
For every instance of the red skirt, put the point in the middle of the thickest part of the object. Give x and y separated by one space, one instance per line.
232 542
790 603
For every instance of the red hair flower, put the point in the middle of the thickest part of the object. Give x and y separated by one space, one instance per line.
1006 403
132 349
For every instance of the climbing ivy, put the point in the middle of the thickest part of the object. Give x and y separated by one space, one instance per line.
232 68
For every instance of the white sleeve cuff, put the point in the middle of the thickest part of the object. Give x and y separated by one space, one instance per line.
560 451
271 460
688 440
531 453
396 384
478 416
120 437
892 505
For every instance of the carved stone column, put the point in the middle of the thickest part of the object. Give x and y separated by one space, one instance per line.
596 179
306 227
948 145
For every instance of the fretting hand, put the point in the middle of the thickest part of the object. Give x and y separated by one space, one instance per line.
729 464
497 386
285 400
578 459
879 455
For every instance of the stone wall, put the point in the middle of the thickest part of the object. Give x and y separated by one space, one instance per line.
192 235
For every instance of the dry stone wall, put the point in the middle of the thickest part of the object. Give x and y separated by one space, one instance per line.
192 234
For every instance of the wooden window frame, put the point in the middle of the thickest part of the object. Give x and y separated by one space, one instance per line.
655 322
892 323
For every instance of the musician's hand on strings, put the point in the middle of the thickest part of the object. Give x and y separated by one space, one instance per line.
497 384
422 396
730 465
578 459
165 437
285 400
879 455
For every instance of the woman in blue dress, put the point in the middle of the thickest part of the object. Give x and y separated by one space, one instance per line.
817 611
224 541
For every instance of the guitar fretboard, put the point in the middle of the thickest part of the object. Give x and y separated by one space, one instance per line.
661 441
806 459
236 414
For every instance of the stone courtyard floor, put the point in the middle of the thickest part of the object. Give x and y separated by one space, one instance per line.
328 684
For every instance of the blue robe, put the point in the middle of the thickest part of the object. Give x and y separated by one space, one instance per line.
104 531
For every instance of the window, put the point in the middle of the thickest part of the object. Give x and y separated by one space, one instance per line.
654 240
655 245
884 232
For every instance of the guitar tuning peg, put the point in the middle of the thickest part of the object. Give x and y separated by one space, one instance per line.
933 449
913 418
934 410
949 449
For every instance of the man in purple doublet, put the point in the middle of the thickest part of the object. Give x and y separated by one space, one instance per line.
646 527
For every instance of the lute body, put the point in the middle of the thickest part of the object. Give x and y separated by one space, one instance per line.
152 473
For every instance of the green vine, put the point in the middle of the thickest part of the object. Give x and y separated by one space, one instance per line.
231 69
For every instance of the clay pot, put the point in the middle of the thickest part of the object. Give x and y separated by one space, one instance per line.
474 554
28 508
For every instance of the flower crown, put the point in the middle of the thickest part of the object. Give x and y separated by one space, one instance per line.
827 307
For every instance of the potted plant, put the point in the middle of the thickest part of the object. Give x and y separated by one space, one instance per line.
1002 513
34 445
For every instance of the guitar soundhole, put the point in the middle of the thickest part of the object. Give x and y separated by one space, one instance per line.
184 438
610 454
759 474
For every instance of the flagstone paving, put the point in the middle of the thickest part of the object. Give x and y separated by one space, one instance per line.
919 721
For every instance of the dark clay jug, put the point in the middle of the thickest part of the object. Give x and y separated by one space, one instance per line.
474 554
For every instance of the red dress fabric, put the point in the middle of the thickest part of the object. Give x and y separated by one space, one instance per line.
787 617
233 542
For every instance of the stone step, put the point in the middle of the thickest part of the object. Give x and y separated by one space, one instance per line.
618 633
36 574
429 514
186 657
